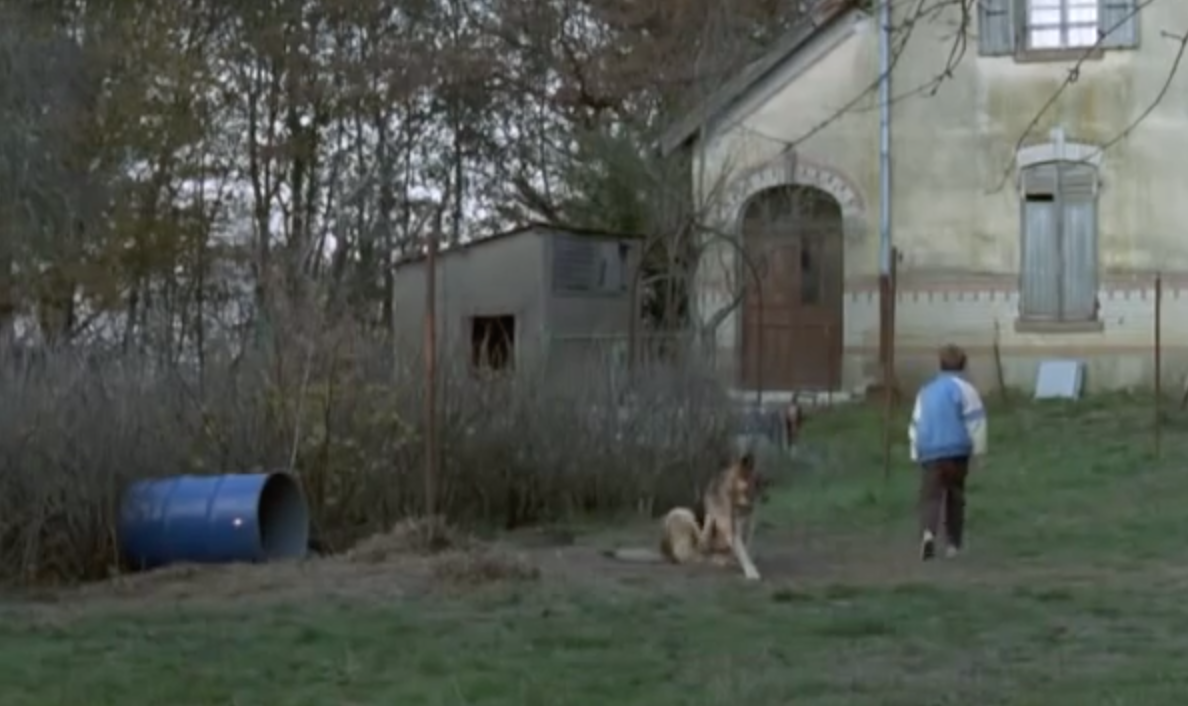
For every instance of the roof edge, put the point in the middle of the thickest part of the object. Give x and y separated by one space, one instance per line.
522 229
826 14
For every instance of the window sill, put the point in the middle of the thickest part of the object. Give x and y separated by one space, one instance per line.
591 293
1039 56
1034 326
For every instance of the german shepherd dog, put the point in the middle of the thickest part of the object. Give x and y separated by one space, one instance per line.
729 504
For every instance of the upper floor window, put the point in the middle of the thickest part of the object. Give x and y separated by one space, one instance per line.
1007 27
1061 24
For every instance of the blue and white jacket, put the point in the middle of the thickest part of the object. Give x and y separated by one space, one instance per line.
948 421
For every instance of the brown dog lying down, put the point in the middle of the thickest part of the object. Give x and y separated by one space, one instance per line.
729 504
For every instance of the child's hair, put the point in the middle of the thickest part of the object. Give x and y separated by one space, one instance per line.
952 358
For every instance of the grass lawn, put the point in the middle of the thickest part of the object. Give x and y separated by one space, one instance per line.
1071 594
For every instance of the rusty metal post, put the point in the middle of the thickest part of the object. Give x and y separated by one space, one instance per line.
1158 362
893 307
887 292
636 269
632 325
834 378
430 353
884 325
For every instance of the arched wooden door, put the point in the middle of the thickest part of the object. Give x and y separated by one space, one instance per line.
792 322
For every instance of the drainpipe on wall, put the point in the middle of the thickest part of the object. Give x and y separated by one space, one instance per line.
885 137
886 251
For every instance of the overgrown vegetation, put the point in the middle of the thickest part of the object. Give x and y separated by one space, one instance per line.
183 184
74 430
1070 594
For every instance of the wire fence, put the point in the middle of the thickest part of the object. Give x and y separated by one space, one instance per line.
1135 343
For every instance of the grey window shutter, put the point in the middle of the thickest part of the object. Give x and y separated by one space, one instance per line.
996 27
1078 180
1118 23
1079 251
1040 180
1039 286
1078 197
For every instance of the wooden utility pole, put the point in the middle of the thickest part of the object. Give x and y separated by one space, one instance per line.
430 353
1158 363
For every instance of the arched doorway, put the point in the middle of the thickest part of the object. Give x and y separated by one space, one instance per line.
793 235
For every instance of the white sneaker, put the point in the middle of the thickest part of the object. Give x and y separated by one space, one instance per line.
927 546
951 552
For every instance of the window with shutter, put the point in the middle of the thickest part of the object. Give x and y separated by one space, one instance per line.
1058 253
1008 26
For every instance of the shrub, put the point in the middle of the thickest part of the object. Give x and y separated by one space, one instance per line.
77 427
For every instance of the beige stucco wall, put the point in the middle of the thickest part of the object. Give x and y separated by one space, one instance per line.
955 206
1120 357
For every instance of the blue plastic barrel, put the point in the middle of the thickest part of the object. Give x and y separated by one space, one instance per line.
213 519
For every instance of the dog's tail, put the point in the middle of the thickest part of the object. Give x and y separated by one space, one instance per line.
635 555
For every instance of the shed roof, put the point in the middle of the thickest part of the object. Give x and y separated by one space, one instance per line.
529 227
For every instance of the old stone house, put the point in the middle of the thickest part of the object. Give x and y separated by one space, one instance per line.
1038 173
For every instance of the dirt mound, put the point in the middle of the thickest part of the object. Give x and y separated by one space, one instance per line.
448 555
415 536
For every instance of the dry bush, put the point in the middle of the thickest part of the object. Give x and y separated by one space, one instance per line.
412 535
73 432
329 402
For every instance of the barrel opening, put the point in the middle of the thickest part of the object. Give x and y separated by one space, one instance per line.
283 519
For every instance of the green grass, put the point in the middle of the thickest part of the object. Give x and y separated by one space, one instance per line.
1071 595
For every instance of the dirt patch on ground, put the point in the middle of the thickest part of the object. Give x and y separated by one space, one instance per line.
807 559
411 559
415 558
418 559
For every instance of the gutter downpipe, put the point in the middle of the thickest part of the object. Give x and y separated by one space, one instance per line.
885 137
886 252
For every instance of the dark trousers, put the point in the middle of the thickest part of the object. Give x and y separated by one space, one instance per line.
942 488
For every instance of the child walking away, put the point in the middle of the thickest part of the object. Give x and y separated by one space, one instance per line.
948 427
